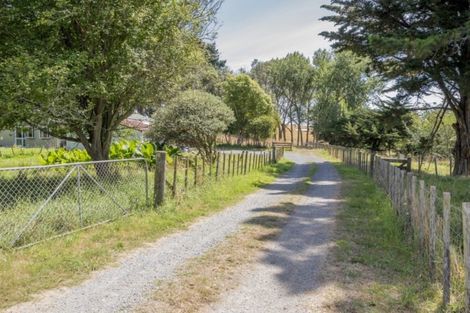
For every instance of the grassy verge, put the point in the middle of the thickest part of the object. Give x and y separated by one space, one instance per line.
68 260
374 262
15 157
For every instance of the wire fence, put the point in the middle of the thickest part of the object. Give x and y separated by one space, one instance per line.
43 202
437 224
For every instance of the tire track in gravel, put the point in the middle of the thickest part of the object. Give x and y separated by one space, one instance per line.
287 276
131 281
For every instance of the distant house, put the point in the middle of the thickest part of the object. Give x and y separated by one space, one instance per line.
133 127
136 125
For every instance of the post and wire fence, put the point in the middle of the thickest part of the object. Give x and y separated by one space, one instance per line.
43 202
439 227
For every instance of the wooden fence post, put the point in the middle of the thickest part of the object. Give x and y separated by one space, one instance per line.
247 160
186 173
175 174
446 257
372 161
466 252
413 204
203 161
239 159
233 165
274 155
217 166
159 185
195 171
421 208
432 232
210 165
223 164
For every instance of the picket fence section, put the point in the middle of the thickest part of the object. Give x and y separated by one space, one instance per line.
441 230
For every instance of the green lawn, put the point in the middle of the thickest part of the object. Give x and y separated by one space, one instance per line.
15 157
67 260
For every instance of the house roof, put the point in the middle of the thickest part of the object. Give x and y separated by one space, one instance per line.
138 122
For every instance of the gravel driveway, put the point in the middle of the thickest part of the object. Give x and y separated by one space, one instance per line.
286 277
288 269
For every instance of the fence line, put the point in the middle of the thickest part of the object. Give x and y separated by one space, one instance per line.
42 202
440 229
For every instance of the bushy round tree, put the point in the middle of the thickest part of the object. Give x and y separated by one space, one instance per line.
194 118
249 102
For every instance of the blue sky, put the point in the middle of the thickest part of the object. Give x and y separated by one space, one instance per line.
263 29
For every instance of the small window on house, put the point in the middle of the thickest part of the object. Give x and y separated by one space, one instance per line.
44 134
24 132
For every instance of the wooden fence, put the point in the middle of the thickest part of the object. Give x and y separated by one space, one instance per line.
441 230
183 173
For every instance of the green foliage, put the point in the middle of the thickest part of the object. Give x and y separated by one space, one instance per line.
291 83
261 127
342 86
63 156
377 130
193 118
250 104
422 47
78 69
124 149
421 141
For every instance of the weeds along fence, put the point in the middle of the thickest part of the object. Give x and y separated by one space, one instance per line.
440 229
42 202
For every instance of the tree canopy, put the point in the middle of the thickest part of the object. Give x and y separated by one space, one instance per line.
76 70
193 118
421 46
252 107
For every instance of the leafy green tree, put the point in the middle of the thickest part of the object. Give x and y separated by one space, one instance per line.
248 101
341 86
296 80
291 83
374 129
422 46
77 69
193 118
261 128
268 75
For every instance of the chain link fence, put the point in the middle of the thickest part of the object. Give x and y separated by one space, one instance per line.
40 202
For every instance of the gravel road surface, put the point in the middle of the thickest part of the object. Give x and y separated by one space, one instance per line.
288 269
286 276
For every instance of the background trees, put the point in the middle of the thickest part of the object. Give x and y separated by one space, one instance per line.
252 107
193 118
342 86
421 46
76 70
291 84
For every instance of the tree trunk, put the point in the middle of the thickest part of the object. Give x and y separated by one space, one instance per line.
308 130
462 145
